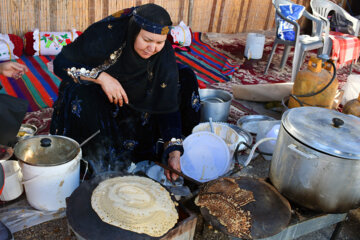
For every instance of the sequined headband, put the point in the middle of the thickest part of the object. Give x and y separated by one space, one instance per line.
150 26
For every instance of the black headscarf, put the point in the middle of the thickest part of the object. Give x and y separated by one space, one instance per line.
150 84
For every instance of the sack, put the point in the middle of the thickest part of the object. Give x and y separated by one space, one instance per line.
12 113
338 23
292 12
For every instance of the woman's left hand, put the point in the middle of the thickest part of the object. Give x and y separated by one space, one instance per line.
173 162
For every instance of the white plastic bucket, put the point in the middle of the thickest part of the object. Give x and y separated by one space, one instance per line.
206 156
12 187
229 135
254 46
47 187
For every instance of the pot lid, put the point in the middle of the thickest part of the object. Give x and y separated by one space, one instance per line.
325 130
46 150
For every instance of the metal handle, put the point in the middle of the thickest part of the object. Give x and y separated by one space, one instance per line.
178 173
86 169
294 148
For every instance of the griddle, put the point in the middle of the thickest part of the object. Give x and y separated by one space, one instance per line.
270 212
86 223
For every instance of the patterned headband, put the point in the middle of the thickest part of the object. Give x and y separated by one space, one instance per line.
150 26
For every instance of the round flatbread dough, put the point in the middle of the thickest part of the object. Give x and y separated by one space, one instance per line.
135 203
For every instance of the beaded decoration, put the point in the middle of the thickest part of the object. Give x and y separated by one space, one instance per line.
75 73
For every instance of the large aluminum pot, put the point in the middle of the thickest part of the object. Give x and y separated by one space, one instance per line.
50 166
316 161
215 103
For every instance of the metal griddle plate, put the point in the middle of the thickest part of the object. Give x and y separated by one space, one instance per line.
270 213
86 223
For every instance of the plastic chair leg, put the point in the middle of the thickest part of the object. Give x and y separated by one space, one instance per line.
270 58
285 56
302 60
298 55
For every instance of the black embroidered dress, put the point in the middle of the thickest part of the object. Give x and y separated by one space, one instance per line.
163 97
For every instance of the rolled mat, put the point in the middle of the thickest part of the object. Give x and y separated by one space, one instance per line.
262 92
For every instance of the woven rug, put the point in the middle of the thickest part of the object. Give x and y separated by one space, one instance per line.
210 65
39 85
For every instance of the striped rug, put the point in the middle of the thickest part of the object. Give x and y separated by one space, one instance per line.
39 86
210 65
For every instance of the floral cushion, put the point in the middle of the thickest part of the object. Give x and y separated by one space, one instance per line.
48 43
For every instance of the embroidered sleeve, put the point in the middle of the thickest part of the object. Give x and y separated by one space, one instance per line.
76 73
175 144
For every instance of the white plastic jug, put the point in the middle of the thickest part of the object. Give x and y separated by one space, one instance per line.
254 46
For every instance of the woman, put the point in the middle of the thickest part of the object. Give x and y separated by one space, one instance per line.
120 76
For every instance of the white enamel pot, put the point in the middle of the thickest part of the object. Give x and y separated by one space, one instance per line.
50 165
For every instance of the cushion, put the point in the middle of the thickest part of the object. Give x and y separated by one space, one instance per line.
180 35
11 47
48 43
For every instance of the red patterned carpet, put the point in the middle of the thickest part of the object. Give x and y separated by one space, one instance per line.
252 72
41 119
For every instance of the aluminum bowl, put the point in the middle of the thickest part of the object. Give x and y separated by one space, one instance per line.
26 130
215 103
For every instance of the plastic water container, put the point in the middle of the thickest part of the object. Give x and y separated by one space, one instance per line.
254 46
268 129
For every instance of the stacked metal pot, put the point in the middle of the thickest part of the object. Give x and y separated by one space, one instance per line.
316 161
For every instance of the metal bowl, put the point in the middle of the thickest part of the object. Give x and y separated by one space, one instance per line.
5 152
250 123
26 130
215 103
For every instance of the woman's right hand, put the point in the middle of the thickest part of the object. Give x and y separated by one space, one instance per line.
12 69
113 89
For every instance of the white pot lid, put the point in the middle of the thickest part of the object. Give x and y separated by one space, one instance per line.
325 130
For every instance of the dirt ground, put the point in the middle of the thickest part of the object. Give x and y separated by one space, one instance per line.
58 230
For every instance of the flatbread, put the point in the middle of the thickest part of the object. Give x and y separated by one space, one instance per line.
223 198
135 203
